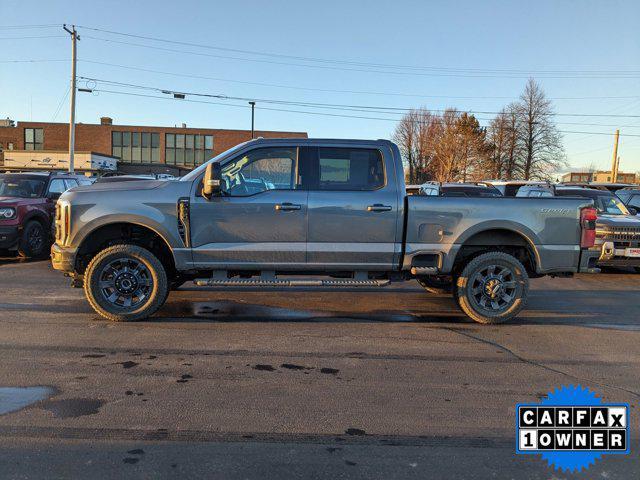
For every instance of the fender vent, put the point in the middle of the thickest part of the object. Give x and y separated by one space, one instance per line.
184 229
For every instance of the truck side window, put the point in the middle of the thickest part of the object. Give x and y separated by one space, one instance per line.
350 169
635 202
260 170
57 186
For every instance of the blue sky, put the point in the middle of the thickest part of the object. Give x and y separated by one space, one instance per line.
517 36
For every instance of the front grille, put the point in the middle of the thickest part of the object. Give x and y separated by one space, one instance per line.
63 213
619 234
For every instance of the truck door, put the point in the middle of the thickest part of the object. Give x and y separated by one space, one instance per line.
353 210
260 220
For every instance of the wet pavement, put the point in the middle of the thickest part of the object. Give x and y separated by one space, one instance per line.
300 383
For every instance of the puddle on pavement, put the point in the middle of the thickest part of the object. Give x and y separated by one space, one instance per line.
17 398
72 407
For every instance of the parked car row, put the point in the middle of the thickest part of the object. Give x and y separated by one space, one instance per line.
27 208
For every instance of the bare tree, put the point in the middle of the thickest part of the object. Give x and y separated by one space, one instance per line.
502 140
540 143
414 135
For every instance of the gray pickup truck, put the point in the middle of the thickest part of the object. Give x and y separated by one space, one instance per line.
310 212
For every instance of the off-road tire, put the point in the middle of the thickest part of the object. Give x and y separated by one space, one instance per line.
26 247
436 285
468 281
157 295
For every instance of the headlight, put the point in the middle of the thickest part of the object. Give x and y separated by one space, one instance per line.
7 212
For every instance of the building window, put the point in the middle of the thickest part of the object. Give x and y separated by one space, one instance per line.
136 147
33 138
188 150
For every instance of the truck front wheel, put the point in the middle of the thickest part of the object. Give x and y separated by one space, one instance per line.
125 283
492 288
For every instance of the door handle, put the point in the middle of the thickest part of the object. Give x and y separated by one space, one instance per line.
378 208
287 206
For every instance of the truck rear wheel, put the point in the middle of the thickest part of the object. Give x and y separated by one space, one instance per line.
125 283
492 288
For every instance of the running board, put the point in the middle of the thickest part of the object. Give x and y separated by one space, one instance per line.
248 282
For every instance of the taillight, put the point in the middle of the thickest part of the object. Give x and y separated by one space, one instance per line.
588 217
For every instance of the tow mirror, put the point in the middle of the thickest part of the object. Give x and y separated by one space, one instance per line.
211 182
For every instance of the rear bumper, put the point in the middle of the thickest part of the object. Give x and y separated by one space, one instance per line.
9 236
589 261
63 258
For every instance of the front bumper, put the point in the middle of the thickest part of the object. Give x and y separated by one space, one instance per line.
9 236
610 256
63 258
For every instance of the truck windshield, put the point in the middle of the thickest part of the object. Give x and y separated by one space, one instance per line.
610 205
14 186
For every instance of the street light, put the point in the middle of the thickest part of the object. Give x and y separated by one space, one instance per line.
253 107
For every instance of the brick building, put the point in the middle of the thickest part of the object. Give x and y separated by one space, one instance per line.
179 147
598 176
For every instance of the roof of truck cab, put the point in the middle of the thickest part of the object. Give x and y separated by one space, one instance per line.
312 141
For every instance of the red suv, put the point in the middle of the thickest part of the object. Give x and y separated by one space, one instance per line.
27 209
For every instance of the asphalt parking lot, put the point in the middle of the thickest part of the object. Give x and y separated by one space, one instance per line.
257 383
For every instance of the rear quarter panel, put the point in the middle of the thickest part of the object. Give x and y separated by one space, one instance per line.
443 224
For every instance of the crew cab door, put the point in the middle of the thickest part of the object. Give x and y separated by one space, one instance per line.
260 220
353 209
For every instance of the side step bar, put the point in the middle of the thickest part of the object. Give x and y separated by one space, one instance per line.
248 282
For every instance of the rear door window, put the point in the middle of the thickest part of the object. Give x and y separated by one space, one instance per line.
635 202
350 169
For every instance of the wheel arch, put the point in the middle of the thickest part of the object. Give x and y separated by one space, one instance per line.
123 232
502 239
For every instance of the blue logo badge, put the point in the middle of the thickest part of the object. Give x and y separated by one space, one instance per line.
571 428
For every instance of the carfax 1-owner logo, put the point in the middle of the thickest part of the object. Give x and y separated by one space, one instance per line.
572 427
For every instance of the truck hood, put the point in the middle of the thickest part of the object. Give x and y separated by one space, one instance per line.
121 186
618 221
10 201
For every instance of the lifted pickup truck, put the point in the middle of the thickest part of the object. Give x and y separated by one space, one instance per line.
333 211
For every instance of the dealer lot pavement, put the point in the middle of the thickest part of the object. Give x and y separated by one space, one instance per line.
263 383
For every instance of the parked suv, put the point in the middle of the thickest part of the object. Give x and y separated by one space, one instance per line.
458 189
27 209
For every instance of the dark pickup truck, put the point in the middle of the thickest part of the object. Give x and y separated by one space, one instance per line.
284 212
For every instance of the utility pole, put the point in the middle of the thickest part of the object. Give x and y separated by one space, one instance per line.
72 117
614 164
253 108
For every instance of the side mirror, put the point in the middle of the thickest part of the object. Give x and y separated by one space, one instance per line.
211 182
632 211
53 195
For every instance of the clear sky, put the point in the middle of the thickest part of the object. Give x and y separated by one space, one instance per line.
468 53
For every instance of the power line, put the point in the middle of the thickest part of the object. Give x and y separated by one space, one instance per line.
341 62
328 90
55 115
26 27
387 70
305 112
379 109
31 37
34 61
